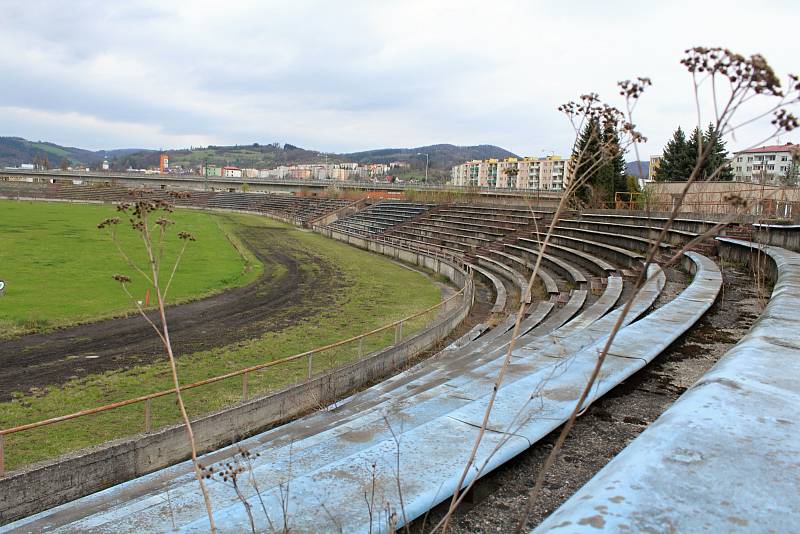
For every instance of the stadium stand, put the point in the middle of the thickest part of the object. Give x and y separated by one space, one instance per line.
415 429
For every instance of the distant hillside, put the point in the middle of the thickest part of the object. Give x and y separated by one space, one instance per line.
15 151
441 156
252 156
640 169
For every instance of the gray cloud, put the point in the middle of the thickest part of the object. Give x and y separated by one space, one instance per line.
340 76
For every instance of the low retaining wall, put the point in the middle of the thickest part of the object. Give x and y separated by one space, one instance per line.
48 484
409 256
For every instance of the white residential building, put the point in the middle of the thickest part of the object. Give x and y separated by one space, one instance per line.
231 172
550 173
767 164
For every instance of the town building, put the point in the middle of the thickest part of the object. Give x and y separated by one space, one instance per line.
774 164
549 173
655 163
230 171
212 171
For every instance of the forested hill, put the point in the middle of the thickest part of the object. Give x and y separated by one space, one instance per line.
441 156
15 151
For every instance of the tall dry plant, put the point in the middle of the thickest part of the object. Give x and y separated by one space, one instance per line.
590 108
729 81
148 219
733 81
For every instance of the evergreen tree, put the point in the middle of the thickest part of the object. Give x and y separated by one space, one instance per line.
610 178
586 151
717 158
695 144
675 162
601 182
681 155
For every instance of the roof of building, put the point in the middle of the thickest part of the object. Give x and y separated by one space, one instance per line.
788 147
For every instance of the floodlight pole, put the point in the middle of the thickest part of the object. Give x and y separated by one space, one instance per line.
427 161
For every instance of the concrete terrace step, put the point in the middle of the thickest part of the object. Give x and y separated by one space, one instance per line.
435 414
724 456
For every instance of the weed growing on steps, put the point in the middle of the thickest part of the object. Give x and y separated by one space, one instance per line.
149 219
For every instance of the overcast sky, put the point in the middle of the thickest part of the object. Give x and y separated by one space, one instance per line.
343 76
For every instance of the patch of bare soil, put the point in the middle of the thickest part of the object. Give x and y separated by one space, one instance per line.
268 304
612 422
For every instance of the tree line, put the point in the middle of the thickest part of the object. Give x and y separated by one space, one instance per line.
601 163
681 154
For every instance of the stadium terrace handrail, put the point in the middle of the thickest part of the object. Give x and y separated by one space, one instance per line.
353 205
240 372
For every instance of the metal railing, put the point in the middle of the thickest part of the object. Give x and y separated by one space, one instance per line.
314 361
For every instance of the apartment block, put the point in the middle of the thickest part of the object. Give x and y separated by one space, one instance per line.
767 164
655 163
549 173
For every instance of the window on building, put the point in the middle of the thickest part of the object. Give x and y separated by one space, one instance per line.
784 158
771 157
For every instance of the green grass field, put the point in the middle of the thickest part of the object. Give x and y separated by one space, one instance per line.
57 265
377 292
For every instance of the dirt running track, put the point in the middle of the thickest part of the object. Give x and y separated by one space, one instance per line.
268 304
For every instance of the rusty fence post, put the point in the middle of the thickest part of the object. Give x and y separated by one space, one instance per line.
2 455
360 347
398 333
147 416
310 363
244 386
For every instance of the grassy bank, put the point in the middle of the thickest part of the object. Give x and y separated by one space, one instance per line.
370 291
57 265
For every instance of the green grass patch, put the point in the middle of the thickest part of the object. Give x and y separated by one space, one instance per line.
57 265
372 291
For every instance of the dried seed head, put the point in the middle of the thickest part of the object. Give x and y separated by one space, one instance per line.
108 222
